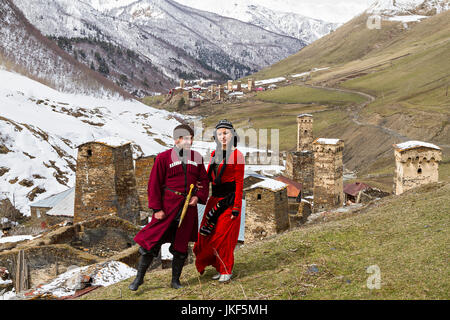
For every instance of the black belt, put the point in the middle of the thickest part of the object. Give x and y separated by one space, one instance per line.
177 192
223 189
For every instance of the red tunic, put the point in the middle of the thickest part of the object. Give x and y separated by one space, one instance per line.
167 172
217 249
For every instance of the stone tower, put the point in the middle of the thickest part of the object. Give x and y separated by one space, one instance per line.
221 91
416 163
105 181
300 168
328 174
251 84
239 87
143 167
230 85
300 163
304 132
182 83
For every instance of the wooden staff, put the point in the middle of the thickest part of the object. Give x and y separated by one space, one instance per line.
186 204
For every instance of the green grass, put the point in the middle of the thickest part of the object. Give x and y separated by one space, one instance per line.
417 82
153 101
299 94
405 236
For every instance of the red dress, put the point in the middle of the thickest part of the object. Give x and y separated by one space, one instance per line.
217 249
167 172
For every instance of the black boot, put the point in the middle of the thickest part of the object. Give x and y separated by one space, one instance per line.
177 267
145 261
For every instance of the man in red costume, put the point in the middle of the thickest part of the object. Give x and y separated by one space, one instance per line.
173 172
220 225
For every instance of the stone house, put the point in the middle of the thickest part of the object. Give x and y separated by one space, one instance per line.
266 209
416 163
294 193
352 190
55 208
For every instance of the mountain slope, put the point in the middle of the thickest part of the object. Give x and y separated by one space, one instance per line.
403 66
178 41
24 49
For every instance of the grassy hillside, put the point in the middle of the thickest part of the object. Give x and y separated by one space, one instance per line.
405 69
300 94
405 236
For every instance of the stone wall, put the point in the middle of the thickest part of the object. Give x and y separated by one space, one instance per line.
328 176
105 182
143 167
125 184
300 168
415 167
53 220
266 213
38 213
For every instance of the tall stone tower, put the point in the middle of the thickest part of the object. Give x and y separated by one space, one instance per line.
105 181
143 167
251 84
182 83
221 91
304 132
328 174
230 85
416 163
300 163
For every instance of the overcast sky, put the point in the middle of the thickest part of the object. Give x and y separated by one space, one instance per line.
328 10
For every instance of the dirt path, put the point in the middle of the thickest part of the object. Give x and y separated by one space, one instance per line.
355 113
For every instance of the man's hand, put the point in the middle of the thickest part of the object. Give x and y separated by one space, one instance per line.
193 201
159 215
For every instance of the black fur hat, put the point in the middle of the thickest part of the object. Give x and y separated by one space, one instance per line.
228 125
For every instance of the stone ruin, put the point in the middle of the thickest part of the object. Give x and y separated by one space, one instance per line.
110 203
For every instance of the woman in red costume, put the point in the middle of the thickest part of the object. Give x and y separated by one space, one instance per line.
220 225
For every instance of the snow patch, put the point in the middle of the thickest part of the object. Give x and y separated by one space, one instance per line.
415 144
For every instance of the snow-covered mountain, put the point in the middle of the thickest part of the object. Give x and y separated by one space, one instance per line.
408 7
24 49
179 41
288 23
40 129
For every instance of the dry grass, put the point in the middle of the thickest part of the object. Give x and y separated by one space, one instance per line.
405 236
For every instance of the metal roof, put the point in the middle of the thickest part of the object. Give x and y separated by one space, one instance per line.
354 188
51 201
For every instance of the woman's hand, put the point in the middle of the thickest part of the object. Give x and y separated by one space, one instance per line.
234 214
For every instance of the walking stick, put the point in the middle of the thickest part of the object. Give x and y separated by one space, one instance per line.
186 203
